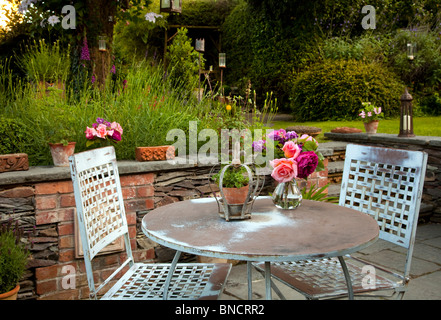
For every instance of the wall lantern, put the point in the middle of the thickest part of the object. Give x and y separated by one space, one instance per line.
222 60
406 118
411 51
102 43
171 6
200 45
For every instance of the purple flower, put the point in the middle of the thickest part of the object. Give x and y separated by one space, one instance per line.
93 79
291 135
259 146
113 70
85 55
307 163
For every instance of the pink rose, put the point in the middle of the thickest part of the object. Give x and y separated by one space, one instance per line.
116 126
285 169
291 149
101 131
90 133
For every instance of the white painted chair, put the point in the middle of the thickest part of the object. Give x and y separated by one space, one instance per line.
102 219
387 184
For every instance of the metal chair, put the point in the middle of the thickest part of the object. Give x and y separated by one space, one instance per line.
387 184
102 220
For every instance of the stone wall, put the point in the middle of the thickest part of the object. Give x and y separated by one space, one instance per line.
42 200
431 202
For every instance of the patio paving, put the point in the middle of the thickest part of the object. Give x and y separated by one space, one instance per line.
425 283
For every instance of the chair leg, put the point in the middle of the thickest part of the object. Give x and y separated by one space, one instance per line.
250 283
347 277
170 274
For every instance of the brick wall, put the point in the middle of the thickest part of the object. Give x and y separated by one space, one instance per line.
46 210
55 205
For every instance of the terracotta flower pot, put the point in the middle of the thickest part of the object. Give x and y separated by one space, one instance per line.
371 127
236 195
61 153
10 295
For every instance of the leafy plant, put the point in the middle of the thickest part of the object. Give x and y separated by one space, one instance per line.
335 89
14 135
318 194
234 177
13 257
43 62
183 61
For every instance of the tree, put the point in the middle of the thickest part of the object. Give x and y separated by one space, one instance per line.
76 20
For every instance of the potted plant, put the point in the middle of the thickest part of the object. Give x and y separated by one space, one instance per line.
104 133
370 115
61 137
13 261
235 184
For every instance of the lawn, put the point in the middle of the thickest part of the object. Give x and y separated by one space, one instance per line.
423 126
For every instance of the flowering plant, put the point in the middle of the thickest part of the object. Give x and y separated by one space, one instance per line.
102 131
295 157
370 112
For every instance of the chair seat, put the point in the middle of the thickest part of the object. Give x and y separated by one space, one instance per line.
189 282
318 279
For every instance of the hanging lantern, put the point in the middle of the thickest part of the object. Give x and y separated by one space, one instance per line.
102 43
411 51
171 6
200 45
237 203
406 118
222 60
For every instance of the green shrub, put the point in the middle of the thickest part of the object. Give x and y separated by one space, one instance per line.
14 136
425 69
431 105
183 61
13 257
335 89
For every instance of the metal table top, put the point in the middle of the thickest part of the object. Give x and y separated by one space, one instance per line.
314 230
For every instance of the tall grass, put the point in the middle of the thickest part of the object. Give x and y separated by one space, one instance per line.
146 105
44 62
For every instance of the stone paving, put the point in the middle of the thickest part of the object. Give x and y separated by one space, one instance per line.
425 283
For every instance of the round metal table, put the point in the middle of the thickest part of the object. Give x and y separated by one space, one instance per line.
314 230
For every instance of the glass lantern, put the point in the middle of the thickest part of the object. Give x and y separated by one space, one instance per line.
411 51
171 6
222 60
406 117
102 43
200 45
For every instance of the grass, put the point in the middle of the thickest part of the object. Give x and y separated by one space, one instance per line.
423 126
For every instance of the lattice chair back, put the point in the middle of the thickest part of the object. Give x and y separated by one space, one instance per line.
99 203
387 184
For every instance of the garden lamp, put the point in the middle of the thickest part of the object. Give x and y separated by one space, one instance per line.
102 43
171 6
222 66
406 118
411 50
200 45
222 60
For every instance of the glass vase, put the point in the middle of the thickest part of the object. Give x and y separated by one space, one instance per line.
287 195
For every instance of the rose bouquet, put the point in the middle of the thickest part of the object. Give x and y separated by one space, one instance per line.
103 131
294 157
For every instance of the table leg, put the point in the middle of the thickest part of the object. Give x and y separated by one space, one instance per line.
347 277
170 274
268 280
250 283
